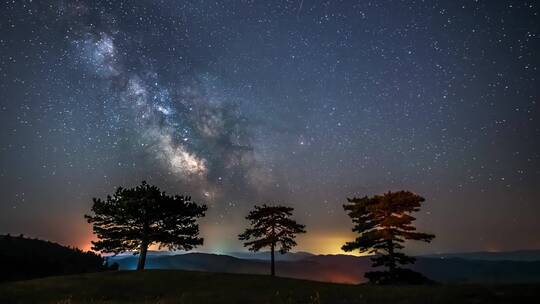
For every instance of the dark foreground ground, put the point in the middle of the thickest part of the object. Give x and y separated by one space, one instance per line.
175 286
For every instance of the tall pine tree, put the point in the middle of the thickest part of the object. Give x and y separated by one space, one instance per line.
272 227
133 219
384 223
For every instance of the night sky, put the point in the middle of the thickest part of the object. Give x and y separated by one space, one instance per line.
297 102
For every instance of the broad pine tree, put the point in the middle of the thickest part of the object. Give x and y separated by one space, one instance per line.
271 227
133 219
384 223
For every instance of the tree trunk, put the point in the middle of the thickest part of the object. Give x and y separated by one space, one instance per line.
392 263
273 267
142 255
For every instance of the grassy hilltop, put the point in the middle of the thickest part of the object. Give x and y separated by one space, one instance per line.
175 286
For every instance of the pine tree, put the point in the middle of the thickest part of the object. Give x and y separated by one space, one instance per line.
271 226
133 219
383 223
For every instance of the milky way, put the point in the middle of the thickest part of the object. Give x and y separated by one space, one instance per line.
299 102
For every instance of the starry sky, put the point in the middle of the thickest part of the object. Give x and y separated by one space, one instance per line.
302 102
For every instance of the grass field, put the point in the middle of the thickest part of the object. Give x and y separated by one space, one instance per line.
175 286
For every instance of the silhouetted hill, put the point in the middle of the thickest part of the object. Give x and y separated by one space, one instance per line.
346 268
22 258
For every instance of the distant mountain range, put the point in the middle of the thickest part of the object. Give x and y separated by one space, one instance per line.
454 268
319 268
23 258
519 255
261 255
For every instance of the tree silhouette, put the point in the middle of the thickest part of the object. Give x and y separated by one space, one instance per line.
383 223
271 226
133 219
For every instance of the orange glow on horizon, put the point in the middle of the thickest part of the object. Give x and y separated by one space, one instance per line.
315 243
85 244
325 244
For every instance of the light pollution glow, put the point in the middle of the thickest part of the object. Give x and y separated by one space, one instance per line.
316 243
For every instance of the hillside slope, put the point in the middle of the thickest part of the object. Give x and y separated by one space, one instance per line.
170 286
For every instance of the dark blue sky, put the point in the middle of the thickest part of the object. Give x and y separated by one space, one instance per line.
298 102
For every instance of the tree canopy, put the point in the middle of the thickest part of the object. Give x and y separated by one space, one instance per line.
135 218
384 223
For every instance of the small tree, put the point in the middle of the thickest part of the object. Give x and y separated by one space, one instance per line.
383 223
271 226
134 219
